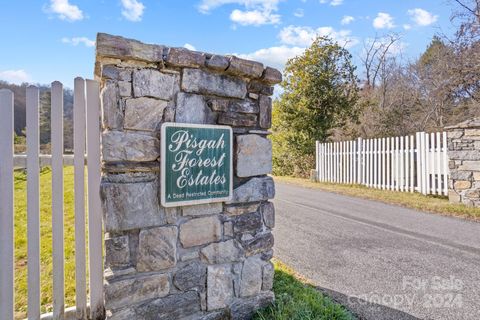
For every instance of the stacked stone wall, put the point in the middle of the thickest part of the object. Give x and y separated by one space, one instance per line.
207 261
464 162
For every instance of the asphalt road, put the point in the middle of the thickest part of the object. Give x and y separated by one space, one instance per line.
381 261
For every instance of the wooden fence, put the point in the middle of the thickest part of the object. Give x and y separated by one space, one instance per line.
411 163
86 132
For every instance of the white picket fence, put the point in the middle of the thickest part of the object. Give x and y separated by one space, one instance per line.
86 132
410 163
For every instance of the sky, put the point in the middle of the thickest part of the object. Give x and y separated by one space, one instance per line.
48 40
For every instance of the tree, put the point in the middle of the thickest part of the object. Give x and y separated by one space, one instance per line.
320 94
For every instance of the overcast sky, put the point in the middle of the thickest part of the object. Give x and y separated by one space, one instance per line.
47 40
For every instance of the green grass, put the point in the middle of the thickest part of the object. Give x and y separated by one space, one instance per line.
417 201
20 221
296 299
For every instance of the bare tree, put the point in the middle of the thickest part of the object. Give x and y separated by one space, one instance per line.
374 57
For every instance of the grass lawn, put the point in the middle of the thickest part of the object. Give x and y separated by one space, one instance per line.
430 203
296 299
20 221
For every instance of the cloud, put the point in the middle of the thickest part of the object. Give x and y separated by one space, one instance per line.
332 2
65 10
254 17
422 17
189 46
298 13
383 21
208 5
75 41
15 76
275 56
132 10
347 20
304 36
407 26
256 12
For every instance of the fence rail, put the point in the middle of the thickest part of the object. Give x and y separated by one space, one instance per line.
86 132
408 163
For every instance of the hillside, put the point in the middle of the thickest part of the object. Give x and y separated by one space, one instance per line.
20 116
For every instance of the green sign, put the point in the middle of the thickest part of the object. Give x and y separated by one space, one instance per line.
196 164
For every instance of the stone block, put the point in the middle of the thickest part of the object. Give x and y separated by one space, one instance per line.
265 119
198 231
154 84
460 175
125 88
202 209
253 149
461 185
246 106
244 309
177 306
144 113
122 48
472 132
124 314
271 76
222 252
192 108
247 222
192 276
117 252
235 210
255 189
258 244
217 62
112 111
201 81
251 280
114 73
157 249
238 119
268 213
470 166
473 194
219 286
268 272
260 88
245 68
228 229
464 155
181 57
476 176
131 205
129 146
122 293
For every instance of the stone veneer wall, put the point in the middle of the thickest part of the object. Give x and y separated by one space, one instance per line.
464 155
198 262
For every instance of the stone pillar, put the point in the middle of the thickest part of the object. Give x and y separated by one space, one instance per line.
464 162
207 261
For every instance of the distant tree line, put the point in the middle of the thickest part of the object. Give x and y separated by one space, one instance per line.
45 116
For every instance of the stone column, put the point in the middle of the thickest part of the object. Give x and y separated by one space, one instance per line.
464 162
199 262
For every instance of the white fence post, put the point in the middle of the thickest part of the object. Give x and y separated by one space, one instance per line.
6 206
79 185
95 235
57 200
33 202
360 161
445 163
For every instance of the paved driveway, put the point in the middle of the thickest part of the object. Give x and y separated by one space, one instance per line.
382 261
